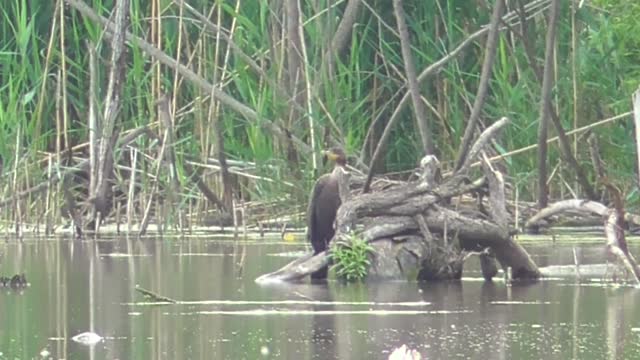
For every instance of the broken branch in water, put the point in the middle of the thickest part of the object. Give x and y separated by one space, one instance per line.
297 269
615 240
148 294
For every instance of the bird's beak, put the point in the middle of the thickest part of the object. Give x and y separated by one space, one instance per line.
330 155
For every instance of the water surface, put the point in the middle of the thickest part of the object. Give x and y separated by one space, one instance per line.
89 286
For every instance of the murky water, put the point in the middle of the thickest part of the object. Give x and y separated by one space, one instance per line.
89 286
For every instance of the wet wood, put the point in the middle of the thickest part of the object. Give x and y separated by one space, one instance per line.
155 296
613 228
296 270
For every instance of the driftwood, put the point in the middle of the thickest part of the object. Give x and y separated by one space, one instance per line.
613 220
429 211
297 269
152 296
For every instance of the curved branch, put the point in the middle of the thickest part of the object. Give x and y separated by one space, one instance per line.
488 134
561 206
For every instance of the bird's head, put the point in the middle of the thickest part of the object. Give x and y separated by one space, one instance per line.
336 155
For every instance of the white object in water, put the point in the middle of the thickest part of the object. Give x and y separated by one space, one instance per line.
264 351
405 353
87 338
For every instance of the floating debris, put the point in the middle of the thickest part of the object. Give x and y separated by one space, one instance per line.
87 338
148 294
404 353
123 255
522 302
282 312
264 351
18 281
279 302
200 254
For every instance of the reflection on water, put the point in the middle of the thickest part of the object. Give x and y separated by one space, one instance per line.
222 314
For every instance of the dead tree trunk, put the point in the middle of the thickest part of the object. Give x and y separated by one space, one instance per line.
108 132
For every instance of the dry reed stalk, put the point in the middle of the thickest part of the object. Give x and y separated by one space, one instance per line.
412 79
131 192
636 121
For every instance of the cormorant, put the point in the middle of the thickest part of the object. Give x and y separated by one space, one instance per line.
323 206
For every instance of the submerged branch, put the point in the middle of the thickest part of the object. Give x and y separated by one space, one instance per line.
154 296
297 269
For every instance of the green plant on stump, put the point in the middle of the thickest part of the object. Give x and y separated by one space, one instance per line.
351 258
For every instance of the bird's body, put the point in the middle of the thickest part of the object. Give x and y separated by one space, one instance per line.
322 209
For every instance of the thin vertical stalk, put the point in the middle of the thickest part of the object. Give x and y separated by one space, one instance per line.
412 79
48 206
164 112
93 121
63 80
545 108
636 118
158 40
176 76
483 87
132 186
307 84
58 117
574 73
16 205
43 86
153 192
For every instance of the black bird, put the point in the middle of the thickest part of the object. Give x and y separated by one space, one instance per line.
323 206
18 281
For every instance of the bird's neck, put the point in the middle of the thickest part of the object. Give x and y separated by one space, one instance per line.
338 169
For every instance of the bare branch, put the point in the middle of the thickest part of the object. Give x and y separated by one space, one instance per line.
545 105
410 70
483 87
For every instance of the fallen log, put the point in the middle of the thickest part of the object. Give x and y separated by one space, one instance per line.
615 241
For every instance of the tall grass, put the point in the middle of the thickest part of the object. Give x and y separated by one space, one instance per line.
41 39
